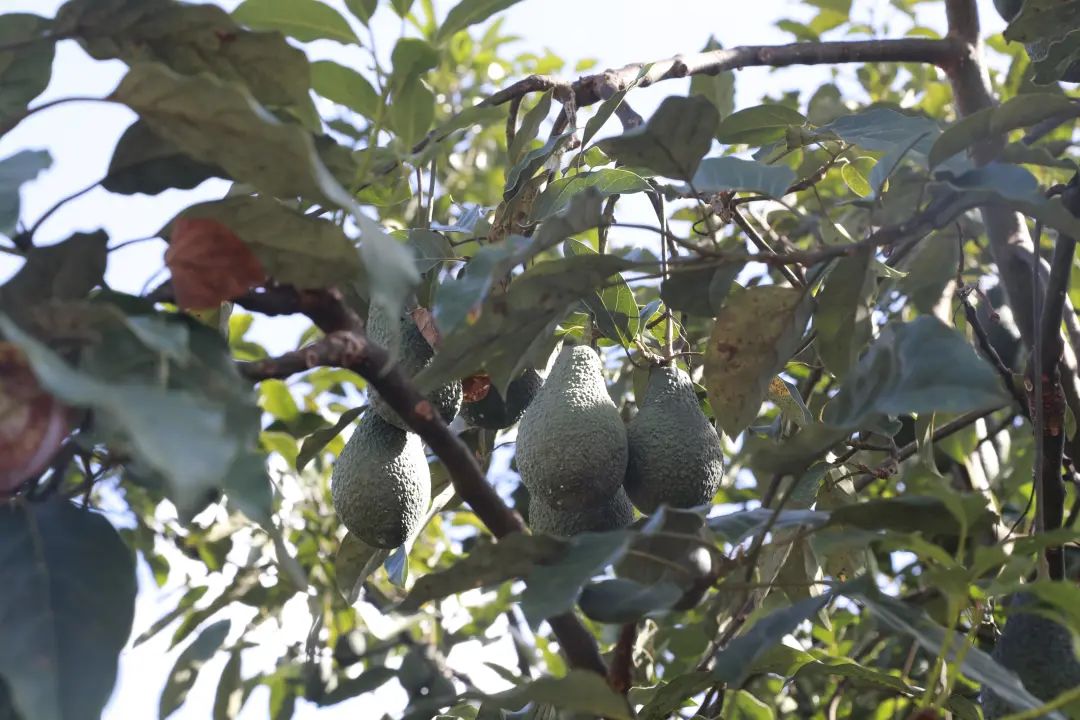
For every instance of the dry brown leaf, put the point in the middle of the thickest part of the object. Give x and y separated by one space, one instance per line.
33 424
209 264
475 388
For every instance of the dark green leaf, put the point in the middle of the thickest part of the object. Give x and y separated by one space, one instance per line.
719 89
67 608
362 9
411 58
296 249
316 441
674 693
752 339
699 291
470 12
487 564
738 526
457 297
522 171
390 267
530 127
553 588
722 174
229 696
220 123
672 142
143 162
613 308
354 563
64 271
580 690
25 70
22 167
917 367
305 20
365 682
913 513
412 109
617 600
842 318
186 670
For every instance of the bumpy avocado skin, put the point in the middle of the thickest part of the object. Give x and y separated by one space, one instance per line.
381 485
613 514
414 354
675 454
571 448
1038 650
491 412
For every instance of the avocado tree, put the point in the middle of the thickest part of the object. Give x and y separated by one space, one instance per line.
791 388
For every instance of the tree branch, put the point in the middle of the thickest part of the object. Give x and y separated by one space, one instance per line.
621 674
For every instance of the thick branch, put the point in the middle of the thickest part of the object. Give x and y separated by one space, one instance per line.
621 674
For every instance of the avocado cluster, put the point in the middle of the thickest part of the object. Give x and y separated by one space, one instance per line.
1038 650
381 484
585 470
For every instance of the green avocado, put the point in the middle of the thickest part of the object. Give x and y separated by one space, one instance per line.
414 354
612 514
381 485
683 561
1039 651
571 446
491 412
675 454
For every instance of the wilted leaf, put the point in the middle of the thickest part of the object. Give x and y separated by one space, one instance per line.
62 565
209 263
752 339
293 248
787 398
32 423
672 142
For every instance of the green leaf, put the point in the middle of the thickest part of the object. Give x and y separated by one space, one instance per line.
741 705
186 670
22 167
614 308
618 600
506 330
530 127
674 693
26 69
975 663
524 169
195 39
917 367
412 109
699 290
316 441
457 297
607 109
718 89
913 513
64 271
488 564
391 269
734 174
229 696
366 682
220 123
758 125
345 86
362 9
295 249
67 608
401 7
553 588
1021 111
579 691
354 563
470 12
842 318
1042 18
144 162
672 142
752 339
305 20
738 526
930 267
411 58
606 182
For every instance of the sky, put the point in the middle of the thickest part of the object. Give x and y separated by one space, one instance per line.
81 138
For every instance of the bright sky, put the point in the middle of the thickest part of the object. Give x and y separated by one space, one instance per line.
81 138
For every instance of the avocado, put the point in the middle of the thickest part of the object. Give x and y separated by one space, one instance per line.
571 447
491 412
682 561
1038 650
612 514
675 454
413 355
381 485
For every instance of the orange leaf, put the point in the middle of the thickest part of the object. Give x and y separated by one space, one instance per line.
209 264
425 322
475 388
32 423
